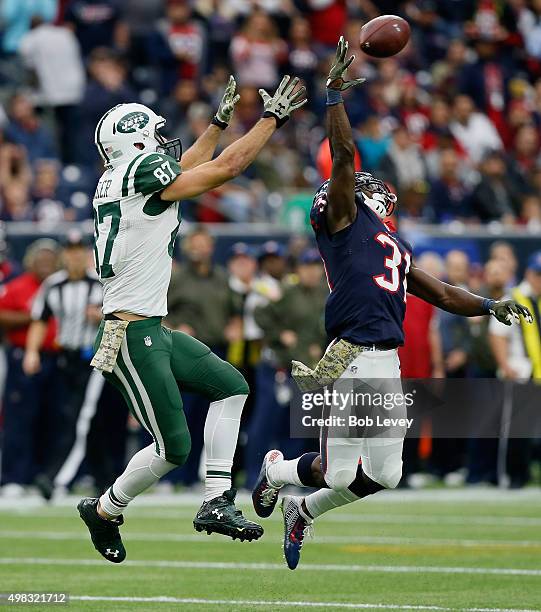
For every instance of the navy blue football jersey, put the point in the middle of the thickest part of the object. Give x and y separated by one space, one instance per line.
366 266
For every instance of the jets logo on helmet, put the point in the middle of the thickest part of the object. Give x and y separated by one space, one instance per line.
127 130
131 121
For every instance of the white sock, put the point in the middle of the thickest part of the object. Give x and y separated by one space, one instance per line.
221 433
144 469
284 472
326 499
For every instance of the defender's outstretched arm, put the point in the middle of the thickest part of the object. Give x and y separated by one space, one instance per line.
239 155
462 302
341 207
203 148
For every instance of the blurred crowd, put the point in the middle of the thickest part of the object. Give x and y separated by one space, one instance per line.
261 309
452 122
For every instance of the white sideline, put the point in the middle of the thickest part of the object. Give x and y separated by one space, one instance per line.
318 539
327 567
304 604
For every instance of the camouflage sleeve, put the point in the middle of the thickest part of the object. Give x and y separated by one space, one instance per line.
154 173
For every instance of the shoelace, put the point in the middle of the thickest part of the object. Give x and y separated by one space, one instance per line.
268 496
300 524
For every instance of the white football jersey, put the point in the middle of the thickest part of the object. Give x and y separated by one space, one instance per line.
135 233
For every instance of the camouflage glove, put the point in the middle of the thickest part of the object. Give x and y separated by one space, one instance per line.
284 101
336 74
227 105
510 311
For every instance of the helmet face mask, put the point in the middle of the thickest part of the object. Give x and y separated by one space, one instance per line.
172 147
374 189
130 129
369 191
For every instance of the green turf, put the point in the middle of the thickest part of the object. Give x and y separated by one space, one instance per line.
491 534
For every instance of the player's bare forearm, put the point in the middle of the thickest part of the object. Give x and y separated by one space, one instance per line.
202 149
229 164
341 209
447 297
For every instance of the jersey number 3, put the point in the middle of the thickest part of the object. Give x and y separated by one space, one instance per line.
104 269
393 264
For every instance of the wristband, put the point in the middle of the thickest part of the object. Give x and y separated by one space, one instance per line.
279 120
221 124
334 96
488 305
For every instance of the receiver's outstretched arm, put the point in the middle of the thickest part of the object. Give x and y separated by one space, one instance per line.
341 207
239 155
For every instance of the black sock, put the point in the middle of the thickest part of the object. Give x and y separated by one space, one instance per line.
304 469
362 485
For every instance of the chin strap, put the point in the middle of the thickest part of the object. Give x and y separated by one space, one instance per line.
376 204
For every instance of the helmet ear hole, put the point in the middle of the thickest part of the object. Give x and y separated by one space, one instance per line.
139 145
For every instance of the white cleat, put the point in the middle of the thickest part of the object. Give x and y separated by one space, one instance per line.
265 494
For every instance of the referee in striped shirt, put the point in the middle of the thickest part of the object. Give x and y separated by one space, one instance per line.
73 296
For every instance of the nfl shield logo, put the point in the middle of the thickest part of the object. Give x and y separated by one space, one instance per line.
148 340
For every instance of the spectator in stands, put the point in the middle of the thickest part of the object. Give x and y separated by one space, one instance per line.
26 129
27 401
106 88
15 181
473 130
485 80
139 17
16 17
402 165
48 199
257 52
373 143
302 59
445 72
483 452
96 23
449 196
52 54
456 337
448 454
293 328
503 252
493 198
530 28
421 355
524 157
327 17
530 212
178 45
516 350
430 32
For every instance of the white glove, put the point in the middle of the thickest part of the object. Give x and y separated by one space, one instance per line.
227 105
285 100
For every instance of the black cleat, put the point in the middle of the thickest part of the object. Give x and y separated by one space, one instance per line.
103 532
219 515
264 494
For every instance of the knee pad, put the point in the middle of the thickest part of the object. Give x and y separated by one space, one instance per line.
177 448
340 477
160 466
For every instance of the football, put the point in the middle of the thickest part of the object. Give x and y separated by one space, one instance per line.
384 36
